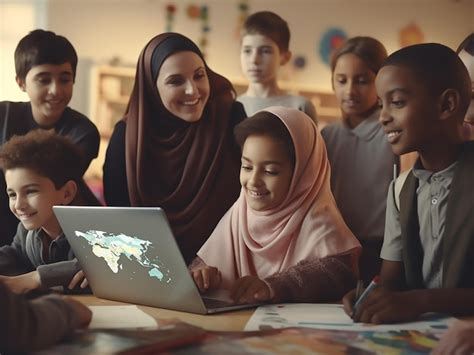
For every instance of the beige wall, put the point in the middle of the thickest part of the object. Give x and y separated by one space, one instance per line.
17 18
102 29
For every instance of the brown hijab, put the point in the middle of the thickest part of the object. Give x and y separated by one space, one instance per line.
191 170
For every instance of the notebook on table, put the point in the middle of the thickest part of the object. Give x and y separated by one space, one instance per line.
129 254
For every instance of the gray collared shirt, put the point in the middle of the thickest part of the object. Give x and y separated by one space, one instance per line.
361 170
254 104
432 196
26 254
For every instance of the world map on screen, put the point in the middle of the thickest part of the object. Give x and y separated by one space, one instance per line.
112 247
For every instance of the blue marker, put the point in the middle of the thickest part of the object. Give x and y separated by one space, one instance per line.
373 284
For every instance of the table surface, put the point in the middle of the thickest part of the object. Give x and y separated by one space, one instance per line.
226 321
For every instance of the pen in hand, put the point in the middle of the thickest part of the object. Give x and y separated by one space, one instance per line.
359 289
361 296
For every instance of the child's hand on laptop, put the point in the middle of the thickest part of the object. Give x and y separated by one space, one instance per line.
250 289
80 277
22 283
206 278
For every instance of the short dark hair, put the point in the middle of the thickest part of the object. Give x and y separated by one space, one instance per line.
437 67
467 45
265 123
271 25
371 51
43 47
46 153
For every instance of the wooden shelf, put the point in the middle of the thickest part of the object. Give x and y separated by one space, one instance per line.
325 102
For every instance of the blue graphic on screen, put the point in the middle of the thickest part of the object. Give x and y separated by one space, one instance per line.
111 248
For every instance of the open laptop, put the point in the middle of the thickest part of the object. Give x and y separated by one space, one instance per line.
130 255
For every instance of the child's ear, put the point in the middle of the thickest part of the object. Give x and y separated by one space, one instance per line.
21 83
285 57
69 192
449 103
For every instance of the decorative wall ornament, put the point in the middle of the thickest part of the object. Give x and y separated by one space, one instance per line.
205 29
170 11
243 7
332 39
411 34
194 12
299 62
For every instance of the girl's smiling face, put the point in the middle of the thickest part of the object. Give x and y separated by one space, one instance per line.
266 172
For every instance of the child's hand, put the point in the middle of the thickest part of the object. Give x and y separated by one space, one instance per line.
385 306
459 339
83 312
348 301
79 277
22 283
206 278
250 289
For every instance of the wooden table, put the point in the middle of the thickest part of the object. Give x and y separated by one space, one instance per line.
227 321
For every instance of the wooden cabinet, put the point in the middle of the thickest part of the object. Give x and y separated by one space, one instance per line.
110 90
325 102
109 93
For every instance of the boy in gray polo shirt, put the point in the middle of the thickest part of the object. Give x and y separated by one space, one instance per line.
428 250
41 169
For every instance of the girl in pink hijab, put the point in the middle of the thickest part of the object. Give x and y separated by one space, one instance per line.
284 239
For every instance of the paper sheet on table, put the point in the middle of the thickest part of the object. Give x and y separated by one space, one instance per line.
115 317
329 316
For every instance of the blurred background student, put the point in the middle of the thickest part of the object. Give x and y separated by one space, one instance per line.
360 155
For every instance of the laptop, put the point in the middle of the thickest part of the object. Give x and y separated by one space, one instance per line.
129 254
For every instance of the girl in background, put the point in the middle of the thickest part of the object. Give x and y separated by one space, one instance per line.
174 147
360 155
284 239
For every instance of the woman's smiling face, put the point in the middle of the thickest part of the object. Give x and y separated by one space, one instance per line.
183 85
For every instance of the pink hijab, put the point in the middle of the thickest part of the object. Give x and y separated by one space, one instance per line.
306 225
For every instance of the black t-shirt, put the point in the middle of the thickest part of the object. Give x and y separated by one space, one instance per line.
16 118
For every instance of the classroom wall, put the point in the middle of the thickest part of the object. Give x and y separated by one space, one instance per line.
32 14
105 29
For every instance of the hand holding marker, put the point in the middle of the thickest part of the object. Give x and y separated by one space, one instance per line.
373 284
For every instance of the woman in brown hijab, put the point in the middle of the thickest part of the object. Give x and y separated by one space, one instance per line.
174 148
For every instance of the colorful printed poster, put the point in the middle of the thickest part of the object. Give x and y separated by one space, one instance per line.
331 316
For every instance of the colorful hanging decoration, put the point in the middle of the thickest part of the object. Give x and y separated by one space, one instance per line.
299 62
411 34
200 13
170 11
193 11
204 15
332 39
243 7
